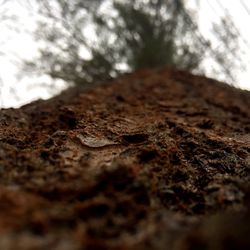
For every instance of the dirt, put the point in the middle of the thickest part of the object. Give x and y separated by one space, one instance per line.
157 159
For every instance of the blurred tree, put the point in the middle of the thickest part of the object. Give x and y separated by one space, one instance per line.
84 41
150 34
229 38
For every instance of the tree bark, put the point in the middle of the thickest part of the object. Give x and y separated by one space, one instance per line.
144 161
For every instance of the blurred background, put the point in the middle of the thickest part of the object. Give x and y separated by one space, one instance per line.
47 46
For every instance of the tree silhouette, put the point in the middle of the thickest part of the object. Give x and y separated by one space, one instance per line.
86 41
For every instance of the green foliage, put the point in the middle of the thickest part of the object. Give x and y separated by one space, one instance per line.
119 36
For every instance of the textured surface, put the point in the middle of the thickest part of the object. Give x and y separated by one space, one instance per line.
158 159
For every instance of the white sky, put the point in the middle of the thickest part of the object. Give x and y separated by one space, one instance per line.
15 92
211 10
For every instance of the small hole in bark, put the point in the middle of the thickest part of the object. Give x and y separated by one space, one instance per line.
135 138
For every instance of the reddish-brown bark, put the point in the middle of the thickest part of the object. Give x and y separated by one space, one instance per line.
144 161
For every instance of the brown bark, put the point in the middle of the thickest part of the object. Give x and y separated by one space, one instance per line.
141 162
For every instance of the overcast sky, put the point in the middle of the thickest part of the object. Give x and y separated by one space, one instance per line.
15 92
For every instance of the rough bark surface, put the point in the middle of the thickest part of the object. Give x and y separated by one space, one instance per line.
158 159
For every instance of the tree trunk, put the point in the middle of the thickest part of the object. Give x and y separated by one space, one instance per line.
144 161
